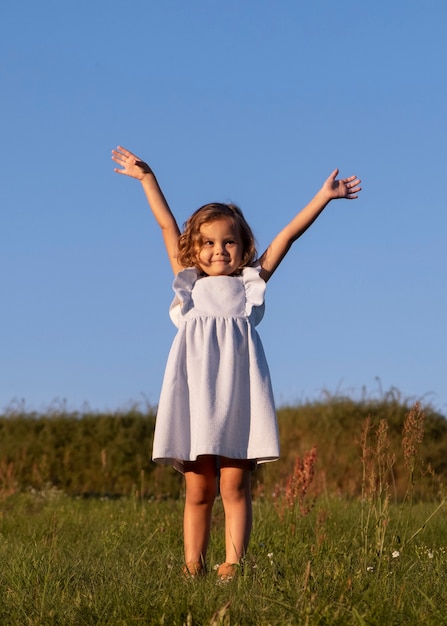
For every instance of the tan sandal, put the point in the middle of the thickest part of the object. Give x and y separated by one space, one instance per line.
192 569
227 571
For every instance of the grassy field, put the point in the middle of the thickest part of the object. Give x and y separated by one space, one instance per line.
91 533
91 561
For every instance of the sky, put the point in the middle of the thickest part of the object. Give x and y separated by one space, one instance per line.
253 102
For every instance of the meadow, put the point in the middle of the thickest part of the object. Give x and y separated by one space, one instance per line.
349 527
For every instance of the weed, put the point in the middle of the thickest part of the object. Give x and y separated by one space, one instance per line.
379 530
291 497
9 483
412 437
377 466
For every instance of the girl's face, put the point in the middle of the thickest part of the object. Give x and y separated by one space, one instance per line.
221 248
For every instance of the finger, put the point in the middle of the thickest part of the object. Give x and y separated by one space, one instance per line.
117 155
353 187
334 174
123 150
353 193
127 153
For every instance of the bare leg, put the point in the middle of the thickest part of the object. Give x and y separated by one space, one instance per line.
201 488
235 489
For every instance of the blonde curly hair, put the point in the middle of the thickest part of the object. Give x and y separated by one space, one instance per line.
190 241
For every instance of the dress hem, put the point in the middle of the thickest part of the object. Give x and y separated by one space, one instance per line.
178 464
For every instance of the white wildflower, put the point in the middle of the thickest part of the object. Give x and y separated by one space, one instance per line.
396 554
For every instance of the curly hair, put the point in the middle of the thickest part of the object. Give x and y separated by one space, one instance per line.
190 240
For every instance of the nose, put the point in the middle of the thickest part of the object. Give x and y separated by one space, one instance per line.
219 249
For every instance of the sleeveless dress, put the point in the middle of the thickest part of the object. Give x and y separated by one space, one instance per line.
216 396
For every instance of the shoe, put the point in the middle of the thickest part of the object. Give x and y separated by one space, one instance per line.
192 569
227 571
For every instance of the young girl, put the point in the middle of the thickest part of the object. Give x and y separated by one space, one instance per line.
216 417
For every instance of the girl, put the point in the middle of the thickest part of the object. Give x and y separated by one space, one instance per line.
216 417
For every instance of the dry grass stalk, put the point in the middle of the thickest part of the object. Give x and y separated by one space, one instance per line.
292 495
8 480
412 437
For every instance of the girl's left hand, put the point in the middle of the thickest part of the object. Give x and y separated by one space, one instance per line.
344 188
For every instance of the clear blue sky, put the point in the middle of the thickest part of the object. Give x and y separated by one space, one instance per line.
254 102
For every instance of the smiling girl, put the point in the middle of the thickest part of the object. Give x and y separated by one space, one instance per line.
216 417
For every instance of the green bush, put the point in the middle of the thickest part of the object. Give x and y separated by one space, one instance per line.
110 453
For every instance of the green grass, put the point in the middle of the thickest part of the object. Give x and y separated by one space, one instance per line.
87 561
109 454
375 556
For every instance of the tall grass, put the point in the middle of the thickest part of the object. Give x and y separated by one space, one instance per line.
317 555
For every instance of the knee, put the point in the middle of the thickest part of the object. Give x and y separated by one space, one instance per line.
201 494
235 490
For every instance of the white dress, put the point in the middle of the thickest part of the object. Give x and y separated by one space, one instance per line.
216 396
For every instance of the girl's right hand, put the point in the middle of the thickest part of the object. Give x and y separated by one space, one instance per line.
130 164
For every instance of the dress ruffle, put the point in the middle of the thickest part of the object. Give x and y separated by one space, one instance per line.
184 283
254 293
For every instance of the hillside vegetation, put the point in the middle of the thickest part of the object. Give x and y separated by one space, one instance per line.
349 525
98 454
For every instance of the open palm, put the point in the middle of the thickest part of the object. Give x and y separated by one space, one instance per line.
130 164
343 188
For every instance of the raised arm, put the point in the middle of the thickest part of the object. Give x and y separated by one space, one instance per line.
332 189
131 165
